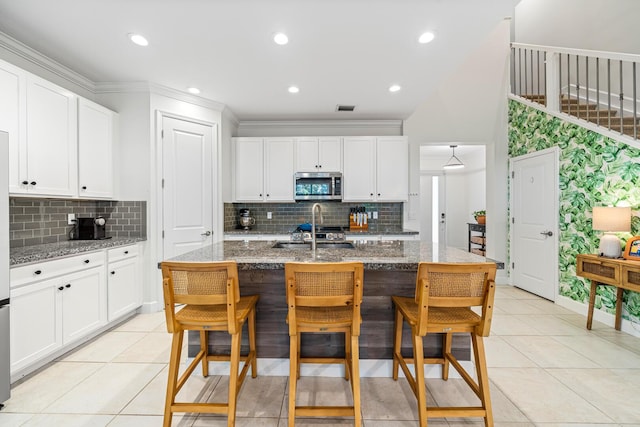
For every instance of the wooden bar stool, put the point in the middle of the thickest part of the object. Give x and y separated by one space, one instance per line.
445 293
211 294
325 298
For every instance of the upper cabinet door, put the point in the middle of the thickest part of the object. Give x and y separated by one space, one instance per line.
12 109
249 169
51 139
359 169
392 167
278 169
330 154
95 141
306 154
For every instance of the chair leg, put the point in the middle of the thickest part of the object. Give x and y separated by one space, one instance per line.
446 349
347 354
354 360
233 379
172 381
204 346
252 342
483 377
421 391
299 340
294 372
397 342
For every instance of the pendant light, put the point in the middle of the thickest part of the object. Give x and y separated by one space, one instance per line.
454 162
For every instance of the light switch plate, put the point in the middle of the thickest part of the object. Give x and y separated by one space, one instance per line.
375 214
71 219
269 216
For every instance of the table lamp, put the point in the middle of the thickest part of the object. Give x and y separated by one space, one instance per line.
610 220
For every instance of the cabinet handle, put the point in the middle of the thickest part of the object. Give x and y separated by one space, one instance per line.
267 194
25 182
113 272
68 285
260 194
378 194
126 252
86 261
60 288
33 183
84 187
371 194
37 272
320 166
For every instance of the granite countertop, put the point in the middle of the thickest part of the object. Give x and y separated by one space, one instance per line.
372 231
49 251
376 255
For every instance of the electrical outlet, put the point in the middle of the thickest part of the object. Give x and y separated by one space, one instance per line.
375 214
71 219
269 216
369 214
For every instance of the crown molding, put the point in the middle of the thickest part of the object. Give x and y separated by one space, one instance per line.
322 123
31 55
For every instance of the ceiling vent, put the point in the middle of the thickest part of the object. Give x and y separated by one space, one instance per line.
345 107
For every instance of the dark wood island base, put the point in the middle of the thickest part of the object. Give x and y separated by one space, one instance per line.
376 339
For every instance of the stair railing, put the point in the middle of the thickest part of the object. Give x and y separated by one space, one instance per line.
599 87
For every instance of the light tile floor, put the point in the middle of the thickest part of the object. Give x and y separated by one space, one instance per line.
545 369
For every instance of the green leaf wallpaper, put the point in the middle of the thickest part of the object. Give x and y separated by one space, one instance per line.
594 171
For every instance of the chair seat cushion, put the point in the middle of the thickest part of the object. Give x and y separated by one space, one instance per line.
212 314
437 315
324 315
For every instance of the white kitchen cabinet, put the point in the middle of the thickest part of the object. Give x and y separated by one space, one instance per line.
263 169
318 154
359 174
13 84
51 140
95 141
392 169
124 286
376 169
249 169
278 169
54 304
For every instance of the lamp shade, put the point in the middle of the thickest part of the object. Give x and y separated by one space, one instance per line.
607 218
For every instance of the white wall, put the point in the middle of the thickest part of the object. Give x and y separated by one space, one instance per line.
321 128
607 25
470 108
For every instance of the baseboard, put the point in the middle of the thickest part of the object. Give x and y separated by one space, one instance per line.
598 315
381 368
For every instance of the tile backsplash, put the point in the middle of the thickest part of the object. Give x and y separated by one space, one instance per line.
37 221
286 216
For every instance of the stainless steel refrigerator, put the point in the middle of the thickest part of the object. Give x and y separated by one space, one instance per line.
4 269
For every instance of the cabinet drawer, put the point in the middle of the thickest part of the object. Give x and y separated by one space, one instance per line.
598 269
45 270
631 278
122 252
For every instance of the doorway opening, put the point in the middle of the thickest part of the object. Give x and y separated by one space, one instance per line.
448 197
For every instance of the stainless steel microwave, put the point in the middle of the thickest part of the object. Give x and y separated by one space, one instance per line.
317 186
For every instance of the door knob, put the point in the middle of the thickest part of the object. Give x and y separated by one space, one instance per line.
547 233
207 233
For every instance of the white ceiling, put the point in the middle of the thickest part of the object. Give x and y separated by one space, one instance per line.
339 51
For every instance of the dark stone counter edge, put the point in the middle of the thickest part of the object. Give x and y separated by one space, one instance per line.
347 232
50 251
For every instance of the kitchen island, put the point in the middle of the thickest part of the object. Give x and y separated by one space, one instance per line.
390 269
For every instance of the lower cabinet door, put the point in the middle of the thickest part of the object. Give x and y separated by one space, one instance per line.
36 327
124 285
83 300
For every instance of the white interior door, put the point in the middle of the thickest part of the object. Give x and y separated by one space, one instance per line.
187 165
433 215
534 248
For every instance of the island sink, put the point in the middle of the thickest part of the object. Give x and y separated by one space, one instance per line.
319 245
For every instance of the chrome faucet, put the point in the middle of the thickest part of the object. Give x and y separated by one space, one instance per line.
313 224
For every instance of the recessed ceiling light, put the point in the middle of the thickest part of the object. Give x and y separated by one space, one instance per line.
426 38
281 39
193 90
138 39
394 88
294 89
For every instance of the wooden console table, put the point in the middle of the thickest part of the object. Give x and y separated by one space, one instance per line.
621 273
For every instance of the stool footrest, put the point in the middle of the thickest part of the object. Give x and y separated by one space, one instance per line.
447 412
324 411
208 408
325 360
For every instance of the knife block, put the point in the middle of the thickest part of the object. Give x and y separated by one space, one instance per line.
353 226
